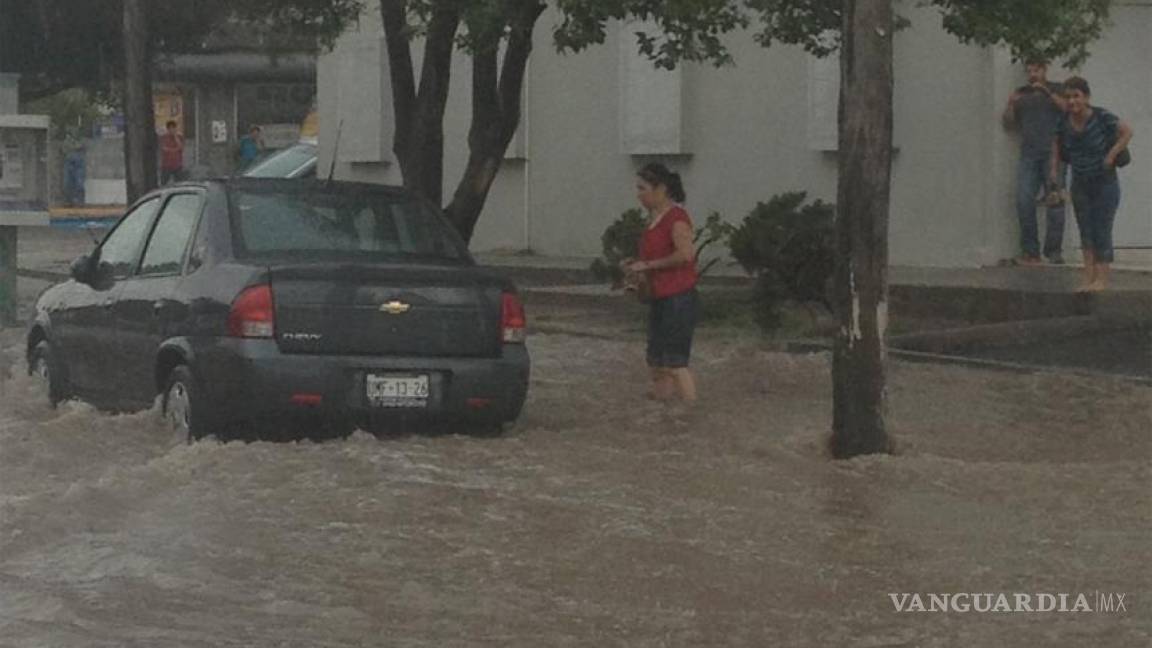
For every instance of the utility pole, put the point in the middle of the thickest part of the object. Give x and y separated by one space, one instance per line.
139 117
9 235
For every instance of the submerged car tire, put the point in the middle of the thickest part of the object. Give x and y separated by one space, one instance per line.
184 408
43 364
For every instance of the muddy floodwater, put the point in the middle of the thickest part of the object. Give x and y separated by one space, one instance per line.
599 520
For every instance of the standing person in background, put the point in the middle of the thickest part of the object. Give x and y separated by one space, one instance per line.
171 155
251 146
1094 142
1035 110
74 173
668 261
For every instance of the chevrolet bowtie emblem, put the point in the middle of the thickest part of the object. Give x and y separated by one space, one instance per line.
395 307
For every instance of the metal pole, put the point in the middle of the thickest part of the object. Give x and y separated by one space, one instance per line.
8 288
9 236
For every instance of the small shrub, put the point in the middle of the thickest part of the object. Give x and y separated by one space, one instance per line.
788 247
622 241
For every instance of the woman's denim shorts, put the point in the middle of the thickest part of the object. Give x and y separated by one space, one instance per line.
671 323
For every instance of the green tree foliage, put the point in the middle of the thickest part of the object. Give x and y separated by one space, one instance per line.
59 44
1049 29
73 113
667 32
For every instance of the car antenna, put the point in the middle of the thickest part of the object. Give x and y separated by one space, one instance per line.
335 151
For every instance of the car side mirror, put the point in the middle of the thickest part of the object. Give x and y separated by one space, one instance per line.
82 269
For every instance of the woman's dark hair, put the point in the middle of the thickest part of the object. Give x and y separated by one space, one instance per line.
1078 83
657 174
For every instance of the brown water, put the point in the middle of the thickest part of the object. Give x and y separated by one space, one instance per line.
600 520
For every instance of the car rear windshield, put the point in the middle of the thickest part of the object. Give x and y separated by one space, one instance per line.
283 164
338 226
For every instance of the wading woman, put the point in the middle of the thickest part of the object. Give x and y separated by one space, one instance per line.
1092 141
667 260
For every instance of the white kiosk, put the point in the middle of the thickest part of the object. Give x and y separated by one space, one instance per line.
23 187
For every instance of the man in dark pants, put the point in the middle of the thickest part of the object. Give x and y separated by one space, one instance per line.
1035 110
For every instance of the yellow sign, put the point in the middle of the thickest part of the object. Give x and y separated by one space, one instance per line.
168 106
310 129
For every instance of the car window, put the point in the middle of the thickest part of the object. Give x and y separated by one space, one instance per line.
284 164
121 248
165 253
338 225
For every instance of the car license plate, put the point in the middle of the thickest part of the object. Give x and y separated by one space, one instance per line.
397 391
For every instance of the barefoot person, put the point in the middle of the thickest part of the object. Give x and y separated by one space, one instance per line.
1091 139
668 262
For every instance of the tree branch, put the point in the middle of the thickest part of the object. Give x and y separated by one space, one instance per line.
511 85
395 15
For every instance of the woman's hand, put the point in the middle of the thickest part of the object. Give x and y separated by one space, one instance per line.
637 267
1110 161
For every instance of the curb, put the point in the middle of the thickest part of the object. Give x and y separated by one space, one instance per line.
817 346
1005 334
1011 367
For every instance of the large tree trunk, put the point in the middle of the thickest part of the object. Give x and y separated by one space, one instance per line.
495 117
139 117
419 110
861 283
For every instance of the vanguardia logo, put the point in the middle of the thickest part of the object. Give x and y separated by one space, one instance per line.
985 602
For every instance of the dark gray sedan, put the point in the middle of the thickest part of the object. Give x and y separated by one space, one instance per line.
247 300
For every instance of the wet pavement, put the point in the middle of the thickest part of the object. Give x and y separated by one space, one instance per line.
600 519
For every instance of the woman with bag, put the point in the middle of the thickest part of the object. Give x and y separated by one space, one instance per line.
1093 142
667 265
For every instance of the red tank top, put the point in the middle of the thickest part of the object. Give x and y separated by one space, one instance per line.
657 243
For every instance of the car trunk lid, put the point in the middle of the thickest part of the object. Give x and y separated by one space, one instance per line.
381 309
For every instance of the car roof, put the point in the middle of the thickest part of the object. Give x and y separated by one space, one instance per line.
294 185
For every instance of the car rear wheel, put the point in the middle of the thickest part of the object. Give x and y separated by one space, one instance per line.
43 366
184 409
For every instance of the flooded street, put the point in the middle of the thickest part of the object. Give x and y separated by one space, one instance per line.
599 520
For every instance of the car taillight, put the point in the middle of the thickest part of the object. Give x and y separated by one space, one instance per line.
512 320
252 315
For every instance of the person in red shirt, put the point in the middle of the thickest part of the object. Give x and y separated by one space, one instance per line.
667 259
171 155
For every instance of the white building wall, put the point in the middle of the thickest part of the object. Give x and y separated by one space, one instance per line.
1120 75
738 135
